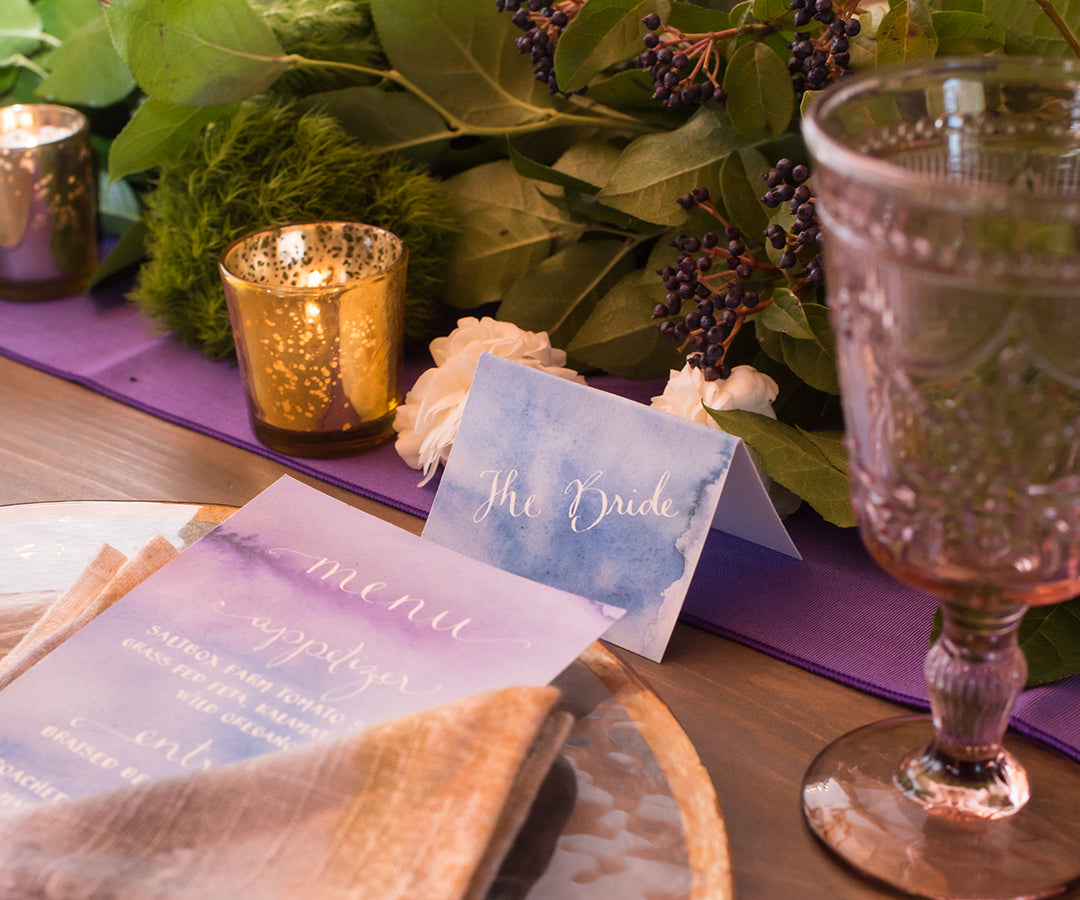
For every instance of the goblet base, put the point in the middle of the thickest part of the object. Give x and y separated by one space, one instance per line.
852 802
946 787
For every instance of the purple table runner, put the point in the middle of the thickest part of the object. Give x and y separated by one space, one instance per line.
835 612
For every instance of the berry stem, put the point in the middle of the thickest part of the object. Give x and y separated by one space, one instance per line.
726 34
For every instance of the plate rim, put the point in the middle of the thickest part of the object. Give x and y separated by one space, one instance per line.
704 832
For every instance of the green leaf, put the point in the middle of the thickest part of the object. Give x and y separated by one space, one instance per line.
794 459
495 246
620 338
768 339
463 56
966 33
118 205
1050 639
657 169
86 70
1030 31
768 10
785 315
586 210
602 34
577 172
590 162
130 250
389 120
558 295
22 29
496 185
760 98
832 447
630 89
741 187
694 19
539 172
740 13
198 52
906 33
814 361
807 99
156 132
62 18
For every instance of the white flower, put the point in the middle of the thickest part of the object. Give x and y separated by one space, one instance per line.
687 393
503 339
428 420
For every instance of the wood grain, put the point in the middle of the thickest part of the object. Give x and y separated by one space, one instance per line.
62 441
755 721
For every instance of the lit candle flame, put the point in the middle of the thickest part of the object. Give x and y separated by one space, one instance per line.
316 278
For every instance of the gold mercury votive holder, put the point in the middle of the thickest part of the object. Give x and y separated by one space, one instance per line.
318 316
48 234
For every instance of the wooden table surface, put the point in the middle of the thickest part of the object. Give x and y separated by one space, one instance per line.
756 722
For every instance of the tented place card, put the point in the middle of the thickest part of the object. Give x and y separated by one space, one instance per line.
593 493
296 620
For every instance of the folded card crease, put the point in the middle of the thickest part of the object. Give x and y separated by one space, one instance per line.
595 494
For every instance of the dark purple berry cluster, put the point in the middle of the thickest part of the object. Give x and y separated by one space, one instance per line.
801 246
816 61
708 293
543 22
676 61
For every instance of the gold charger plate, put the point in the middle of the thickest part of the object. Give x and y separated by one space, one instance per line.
640 818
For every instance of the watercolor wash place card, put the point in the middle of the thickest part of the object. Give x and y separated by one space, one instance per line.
595 494
298 619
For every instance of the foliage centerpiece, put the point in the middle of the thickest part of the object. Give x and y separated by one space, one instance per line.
625 175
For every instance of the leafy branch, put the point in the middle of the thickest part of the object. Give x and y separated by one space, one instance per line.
563 138
1060 25
641 102
542 117
17 59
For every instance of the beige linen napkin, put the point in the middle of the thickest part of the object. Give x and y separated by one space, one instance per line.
425 806
107 577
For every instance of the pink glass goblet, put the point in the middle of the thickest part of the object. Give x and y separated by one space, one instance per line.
949 193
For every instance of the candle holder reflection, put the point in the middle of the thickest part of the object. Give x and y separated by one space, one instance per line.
48 235
318 312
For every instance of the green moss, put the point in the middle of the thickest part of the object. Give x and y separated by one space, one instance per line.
267 165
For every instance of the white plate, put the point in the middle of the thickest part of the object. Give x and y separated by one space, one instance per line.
636 817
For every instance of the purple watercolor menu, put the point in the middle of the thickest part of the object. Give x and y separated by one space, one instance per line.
297 620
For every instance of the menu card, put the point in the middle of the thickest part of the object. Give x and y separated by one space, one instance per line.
594 493
298 619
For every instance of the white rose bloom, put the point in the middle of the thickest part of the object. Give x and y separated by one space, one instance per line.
687 393
503 339
428 420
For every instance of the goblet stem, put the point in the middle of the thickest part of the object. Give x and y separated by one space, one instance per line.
974 673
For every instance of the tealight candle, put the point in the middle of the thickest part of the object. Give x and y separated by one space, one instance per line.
48 236
318 316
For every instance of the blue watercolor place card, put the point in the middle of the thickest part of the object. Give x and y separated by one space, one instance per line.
596 494
296 620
